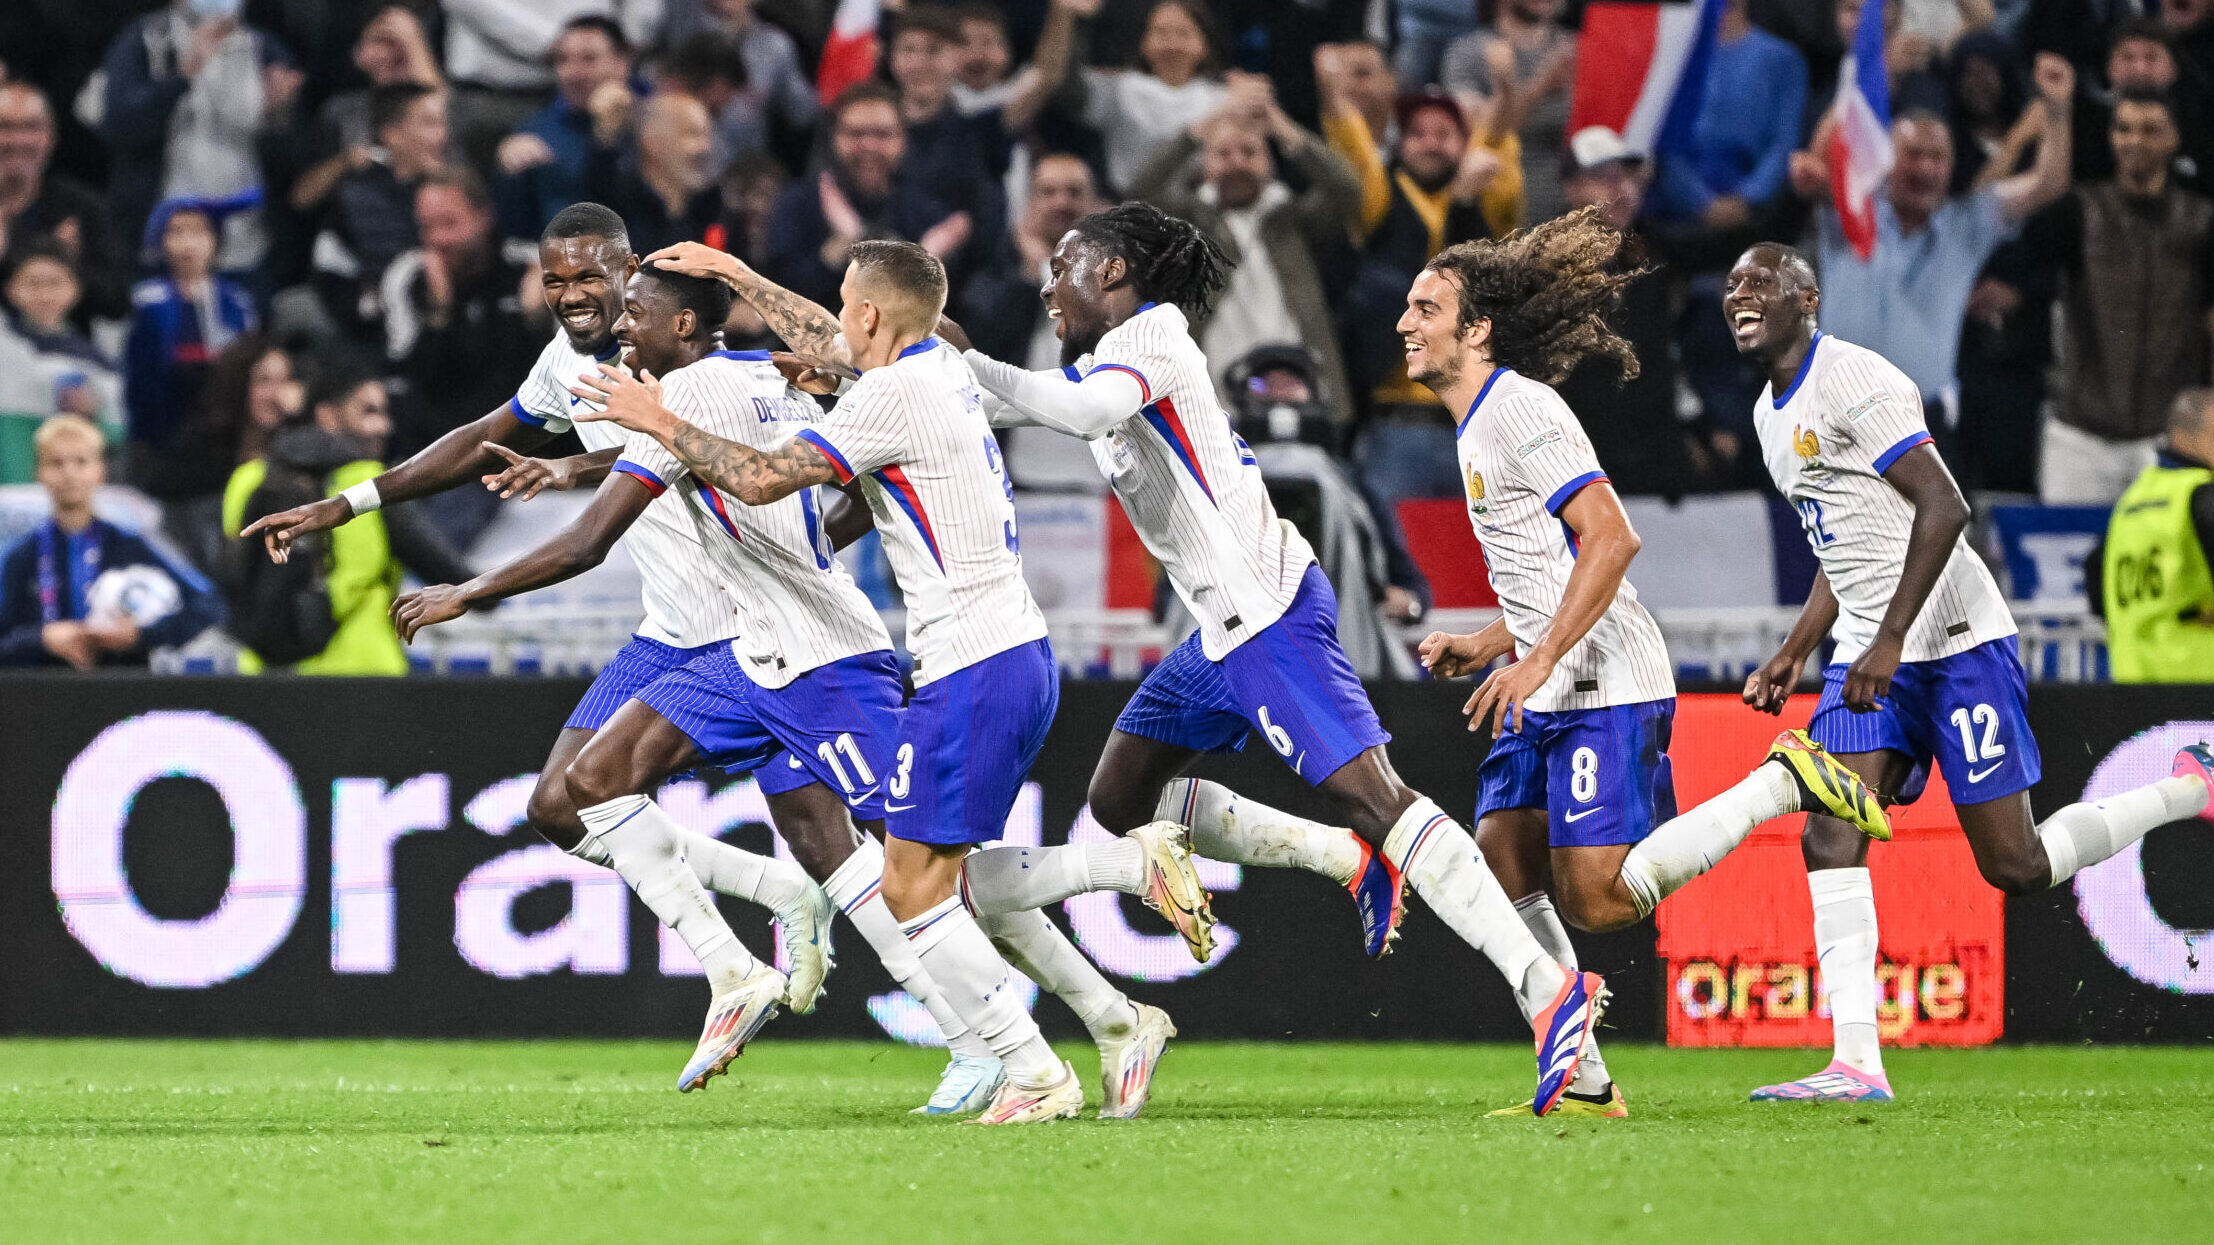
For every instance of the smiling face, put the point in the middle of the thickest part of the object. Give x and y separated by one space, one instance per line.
1769 304
584 60
983 54
2141 65
2144 139
868 142
653 330
582 278
1438 351
1174 47
1431 146
1237 164
1077 293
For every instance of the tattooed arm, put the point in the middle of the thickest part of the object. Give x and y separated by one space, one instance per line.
750 475
805 327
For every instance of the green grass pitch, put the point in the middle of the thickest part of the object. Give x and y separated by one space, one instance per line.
572 1142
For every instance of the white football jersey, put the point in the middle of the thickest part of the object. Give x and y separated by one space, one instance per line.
1523 456
797 607
681 611
914 432
1189 484
1846 417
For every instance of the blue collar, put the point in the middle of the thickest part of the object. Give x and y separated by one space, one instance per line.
1143 308
1481 394
614 348
2173 461
927 343
1801 374
742 356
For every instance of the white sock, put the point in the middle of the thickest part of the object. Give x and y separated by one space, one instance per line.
1845 939
1687 846
857 887
640 843
1040 951
1230 827
981 989
1443 866
1545 926
1011 879
2082 835
726 870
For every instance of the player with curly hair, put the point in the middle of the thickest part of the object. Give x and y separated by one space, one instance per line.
1125 285
1575 795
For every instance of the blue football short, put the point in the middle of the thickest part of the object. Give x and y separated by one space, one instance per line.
1601 775
966 743
837 724
1290 683
636 664
1969 711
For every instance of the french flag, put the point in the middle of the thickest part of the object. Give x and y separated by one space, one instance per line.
1859 150
1641 70
849 55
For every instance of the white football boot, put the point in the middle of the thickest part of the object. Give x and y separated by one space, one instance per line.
804 929
966 1085
1015 1104
1126 1063
733 1017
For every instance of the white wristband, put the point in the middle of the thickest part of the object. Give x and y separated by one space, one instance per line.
362 497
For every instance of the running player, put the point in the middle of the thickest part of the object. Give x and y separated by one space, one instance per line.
912 429
1925 665
1266 659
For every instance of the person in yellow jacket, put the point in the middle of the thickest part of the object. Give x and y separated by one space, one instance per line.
338 442
2152 580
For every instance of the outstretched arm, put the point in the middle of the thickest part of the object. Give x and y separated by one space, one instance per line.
805 327
1605 543
1086 408
748 474
575 549
444 463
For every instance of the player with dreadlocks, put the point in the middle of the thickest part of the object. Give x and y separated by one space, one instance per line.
1577 777
1124 287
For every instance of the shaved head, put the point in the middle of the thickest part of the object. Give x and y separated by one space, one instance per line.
904 280
1788 261
2189 413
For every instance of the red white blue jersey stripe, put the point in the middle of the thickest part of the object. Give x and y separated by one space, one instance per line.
1524 457
914 433
794 605
1845 418
681 611
1190 486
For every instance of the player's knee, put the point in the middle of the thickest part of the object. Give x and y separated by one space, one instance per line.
2018 873
551 812
1594 912
1827 843
597 776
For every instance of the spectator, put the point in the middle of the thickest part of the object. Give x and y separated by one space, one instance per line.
459 330
188 89
42 290
658 180
1522 70
1360 117
983 79
958 154
2153 581
338 445
251 390
864 192
37 203
1139 111
2135 256
179 322
1907 300
1740 158
1432 196
1425 28
2139 59
1987 87
1277 410
1000 308
392 51
370 218
499 54
779 94
1270 232
544 160
82 592
708 67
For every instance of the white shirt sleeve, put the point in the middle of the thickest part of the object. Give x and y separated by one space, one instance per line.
543 400
1878 418
1545 446
865 431
1086 406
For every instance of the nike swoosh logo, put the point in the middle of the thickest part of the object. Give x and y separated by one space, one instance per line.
856 799
1572 818
897 808
1980 775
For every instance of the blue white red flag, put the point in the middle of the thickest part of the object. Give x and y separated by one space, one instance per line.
1859 150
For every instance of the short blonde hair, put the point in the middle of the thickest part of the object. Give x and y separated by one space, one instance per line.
60 428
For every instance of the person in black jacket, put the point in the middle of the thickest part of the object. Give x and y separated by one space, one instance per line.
80 591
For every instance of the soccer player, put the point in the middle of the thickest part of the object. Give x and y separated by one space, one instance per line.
585 257
1122 286
912 430
1925 665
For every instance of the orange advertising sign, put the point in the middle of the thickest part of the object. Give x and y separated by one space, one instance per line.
1739 942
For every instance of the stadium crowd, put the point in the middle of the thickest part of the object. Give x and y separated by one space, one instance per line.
298 236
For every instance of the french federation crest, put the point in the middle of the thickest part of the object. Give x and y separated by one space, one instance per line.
1808 447
1476 492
